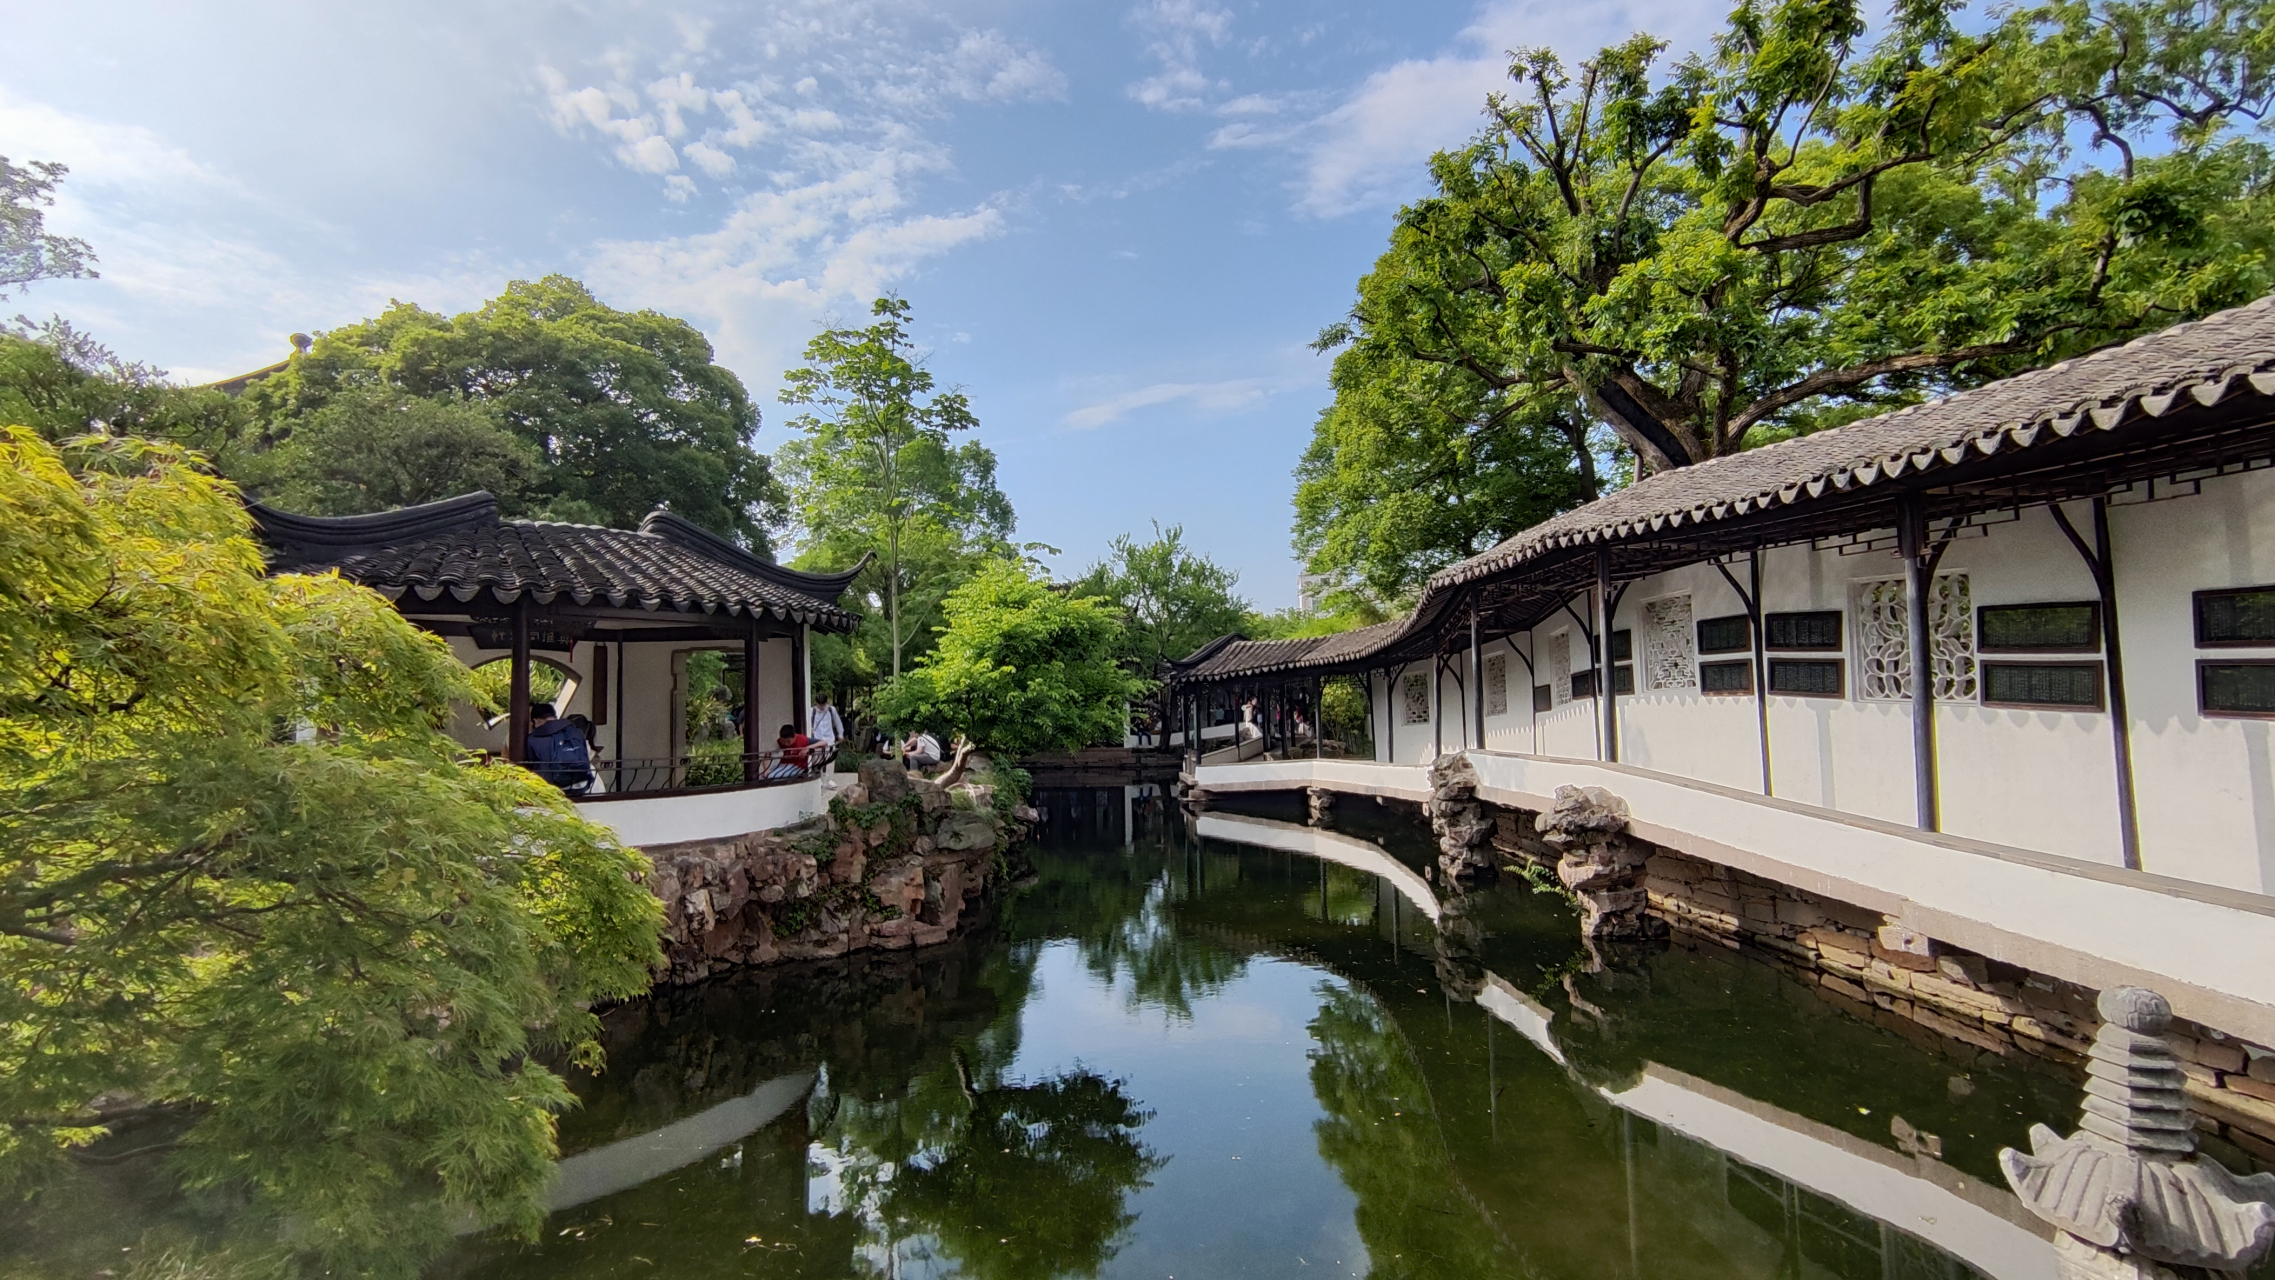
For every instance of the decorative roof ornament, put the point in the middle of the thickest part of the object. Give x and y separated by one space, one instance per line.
2128 1183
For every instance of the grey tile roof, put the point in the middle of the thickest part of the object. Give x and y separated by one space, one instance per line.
2206 362
460 547
2202 362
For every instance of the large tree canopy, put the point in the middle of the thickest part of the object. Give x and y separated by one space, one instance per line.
626 407
1020 668
263 930
1172 599
877 471
1790 231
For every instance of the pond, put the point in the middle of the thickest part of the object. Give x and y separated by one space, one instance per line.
1263 1049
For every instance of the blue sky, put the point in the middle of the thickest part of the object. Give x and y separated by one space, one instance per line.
1119 224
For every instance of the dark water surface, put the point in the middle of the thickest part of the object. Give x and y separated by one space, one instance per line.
1172 1056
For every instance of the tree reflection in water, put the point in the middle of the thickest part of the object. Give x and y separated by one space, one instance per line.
1004 1181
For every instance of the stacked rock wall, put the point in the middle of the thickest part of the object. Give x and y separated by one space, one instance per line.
897 862
1912 983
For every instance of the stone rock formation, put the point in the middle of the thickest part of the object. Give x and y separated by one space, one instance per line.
895 863
1322 802
2129 1199
1463 829
1599 862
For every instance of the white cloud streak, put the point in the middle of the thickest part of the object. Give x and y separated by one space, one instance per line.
1227 396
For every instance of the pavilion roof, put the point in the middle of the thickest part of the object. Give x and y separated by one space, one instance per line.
2118 399
461 549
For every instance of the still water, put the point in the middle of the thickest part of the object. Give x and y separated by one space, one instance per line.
1258 1049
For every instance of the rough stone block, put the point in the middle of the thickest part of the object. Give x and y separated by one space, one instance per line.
1895 937
1842 986
2261 1067
2219 1055
1963 967
2036 1029
1799 914
2249 1087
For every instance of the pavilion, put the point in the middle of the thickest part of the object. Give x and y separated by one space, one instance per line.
615 614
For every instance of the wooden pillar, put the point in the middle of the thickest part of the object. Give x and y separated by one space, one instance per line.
1437 706
801 695
2098 562
1319 717
1761 667
599 682
517 703
751 769
1477 677
618 736
1911 541
1606 697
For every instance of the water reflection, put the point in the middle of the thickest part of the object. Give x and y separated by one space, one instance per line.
1182 1056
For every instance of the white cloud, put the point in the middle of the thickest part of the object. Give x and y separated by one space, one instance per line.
710 159
1227 396
1368 149
1176 32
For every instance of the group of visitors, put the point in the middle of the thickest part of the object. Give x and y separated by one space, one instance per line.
561 749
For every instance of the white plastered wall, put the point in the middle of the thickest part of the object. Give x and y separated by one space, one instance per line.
2032 778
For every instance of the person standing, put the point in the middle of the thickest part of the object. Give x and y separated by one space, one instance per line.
825 728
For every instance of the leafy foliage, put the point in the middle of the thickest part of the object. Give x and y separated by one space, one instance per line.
60 383
626 408
1792 231
375 449
878 472
1172 599
28 250
1020 668
256 911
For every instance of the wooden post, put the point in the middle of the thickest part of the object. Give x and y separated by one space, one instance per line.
2104 569
751 770
1911 543
1437 705
801 696
1761 667
1477 677
600 682
517 700
1607 697
1319 717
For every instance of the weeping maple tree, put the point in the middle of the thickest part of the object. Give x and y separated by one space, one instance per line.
264 930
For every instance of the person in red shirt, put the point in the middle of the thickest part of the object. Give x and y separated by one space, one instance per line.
794 746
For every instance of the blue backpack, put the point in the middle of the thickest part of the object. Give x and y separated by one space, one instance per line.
559 754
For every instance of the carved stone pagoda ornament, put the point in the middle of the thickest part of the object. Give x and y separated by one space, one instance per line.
2127 1190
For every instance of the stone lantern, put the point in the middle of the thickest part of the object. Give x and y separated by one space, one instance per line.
2132 1198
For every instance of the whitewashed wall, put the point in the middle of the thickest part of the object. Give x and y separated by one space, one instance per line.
2031 778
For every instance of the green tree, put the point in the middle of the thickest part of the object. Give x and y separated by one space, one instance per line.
878 471
1791 231
260 919
626 407
376 448
28 250
1020 668
1172 599
62 383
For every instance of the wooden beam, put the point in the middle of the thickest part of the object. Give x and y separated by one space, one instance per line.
517 707
751 770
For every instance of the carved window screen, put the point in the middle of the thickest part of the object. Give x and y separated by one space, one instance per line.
1497 684
1669 662
1883 639
1560 666
1417 690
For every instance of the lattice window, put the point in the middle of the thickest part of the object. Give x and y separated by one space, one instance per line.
1883 639
1497 684
1669 662
1560 666
1417 689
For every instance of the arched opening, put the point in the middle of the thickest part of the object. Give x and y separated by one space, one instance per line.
549 681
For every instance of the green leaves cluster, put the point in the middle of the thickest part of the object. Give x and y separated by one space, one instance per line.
1793 230
1020 668
878 472
622 412
1172 599
258 918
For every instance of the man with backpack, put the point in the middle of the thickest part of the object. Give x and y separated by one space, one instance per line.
557 751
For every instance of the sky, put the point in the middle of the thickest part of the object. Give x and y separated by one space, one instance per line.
1119 225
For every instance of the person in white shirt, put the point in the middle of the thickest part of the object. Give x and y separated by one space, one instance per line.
823 724
921 751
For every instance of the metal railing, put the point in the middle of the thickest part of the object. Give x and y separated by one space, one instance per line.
706 771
